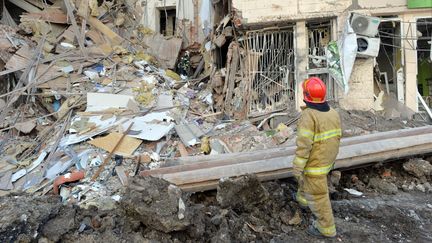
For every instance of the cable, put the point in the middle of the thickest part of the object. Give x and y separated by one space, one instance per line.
406 38
405 48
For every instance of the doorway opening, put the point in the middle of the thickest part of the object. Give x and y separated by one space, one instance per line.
389 70
424 59
167 21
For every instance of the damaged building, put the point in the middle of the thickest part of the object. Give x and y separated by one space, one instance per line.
281 43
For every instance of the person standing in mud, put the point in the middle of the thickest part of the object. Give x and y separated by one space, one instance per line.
318 139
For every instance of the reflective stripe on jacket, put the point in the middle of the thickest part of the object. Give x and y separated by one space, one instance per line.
318 138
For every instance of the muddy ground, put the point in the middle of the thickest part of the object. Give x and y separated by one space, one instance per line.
396 207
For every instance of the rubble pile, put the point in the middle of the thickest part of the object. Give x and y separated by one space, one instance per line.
240 210
95 97
412 175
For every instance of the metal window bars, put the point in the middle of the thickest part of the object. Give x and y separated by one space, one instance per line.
271 66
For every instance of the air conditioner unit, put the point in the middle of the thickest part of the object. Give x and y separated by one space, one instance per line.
367 46
365 25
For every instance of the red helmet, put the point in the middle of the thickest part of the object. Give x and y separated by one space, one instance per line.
314 90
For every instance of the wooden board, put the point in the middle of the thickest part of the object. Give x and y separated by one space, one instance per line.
289 150
26 6
114 38
96 37
165 50
349 155
126 147
52 16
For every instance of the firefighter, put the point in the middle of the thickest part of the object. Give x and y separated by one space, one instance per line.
318 138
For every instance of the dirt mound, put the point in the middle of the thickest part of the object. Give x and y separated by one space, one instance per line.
157 204
241 210
418 167
242 193
22 216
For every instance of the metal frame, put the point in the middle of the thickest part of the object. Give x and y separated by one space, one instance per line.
322 72
272 80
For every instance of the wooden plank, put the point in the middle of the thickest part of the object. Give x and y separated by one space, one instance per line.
36 3
341 165
194 176
68 34
165 50
26 52
285 173
108 158
111 35
231 73
26 6
76 30
59 83
281 151
349 155
182 150
122 175
83 9
211 185
96 37
52 16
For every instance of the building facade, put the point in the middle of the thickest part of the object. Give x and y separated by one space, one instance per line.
286 41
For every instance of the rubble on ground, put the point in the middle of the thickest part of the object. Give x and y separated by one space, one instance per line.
418 167
157 204
151 209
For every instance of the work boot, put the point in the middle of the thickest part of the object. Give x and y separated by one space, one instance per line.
315 232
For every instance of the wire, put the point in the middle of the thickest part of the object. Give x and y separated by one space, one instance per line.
405 48
410 22
406 38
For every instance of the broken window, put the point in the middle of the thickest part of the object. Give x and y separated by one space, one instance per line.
270 60
319 36
167 21
389 58
424 58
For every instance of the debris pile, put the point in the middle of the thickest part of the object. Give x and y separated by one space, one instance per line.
95 97
241 210
412 175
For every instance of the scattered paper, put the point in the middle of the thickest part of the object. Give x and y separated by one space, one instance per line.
101 127
126 147
68 69
151 127
164 101
104 101
354 192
